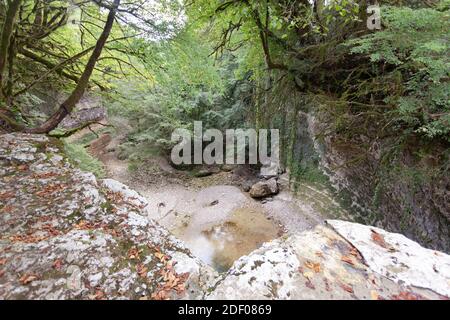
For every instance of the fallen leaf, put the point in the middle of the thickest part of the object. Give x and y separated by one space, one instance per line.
406 295
172 283
115 197
6 195
354 252
80 225
160 295
22 167
379 239
2 272
168 276
348 260
160 256
346 287
45 175
142 270
51 230
169 265
57 264
313 266
184 276
7 209
181 288
3 261
30 238
27 278
99 295
51 189
133 254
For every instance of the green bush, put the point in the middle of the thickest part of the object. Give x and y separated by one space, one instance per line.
79 156
413 51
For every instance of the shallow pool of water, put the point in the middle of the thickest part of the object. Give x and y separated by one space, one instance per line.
220 245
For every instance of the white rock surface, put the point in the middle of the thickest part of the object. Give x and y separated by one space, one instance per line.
321 264
65 236
400 259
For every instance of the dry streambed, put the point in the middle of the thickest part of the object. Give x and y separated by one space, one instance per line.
217 220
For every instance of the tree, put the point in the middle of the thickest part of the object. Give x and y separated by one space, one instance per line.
68 46
69 104
6 35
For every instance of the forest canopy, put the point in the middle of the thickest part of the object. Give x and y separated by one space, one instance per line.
167 63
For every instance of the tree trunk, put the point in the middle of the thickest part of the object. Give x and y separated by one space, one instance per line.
70 103
10 79
7 31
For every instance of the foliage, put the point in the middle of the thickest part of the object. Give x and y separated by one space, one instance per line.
82 159
187 86
308 173
52 42
414 45
247 63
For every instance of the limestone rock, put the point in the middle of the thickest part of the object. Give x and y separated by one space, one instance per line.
398 258
64 235
83 116
264 188
322 264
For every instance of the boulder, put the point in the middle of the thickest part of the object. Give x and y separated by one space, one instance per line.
82 117
264 189
246 186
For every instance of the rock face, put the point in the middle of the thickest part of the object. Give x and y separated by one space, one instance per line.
82 117
398 258
66 235
394 200
264 189
322 264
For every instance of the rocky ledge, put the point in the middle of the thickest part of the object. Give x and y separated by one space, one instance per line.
66 235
